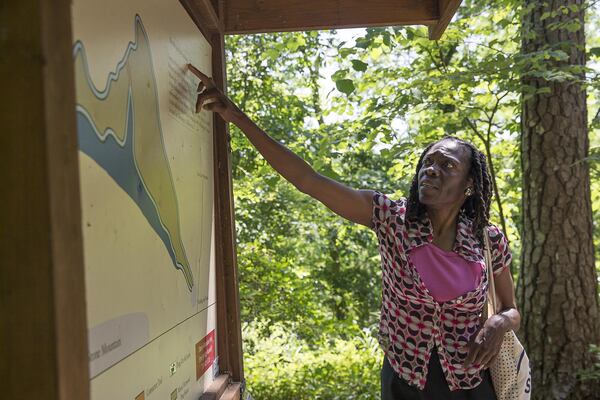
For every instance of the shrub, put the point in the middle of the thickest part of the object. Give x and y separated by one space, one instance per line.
283 367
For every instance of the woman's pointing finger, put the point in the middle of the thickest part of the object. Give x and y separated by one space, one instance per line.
205 79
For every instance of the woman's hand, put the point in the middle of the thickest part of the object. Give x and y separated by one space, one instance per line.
484 346
354 205
212 99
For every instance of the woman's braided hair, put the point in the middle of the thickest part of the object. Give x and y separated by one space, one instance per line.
476 206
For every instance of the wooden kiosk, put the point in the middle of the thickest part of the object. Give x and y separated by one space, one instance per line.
48 219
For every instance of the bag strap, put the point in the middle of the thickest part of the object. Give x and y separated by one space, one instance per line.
490 302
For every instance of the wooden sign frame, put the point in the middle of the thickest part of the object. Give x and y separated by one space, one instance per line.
43 330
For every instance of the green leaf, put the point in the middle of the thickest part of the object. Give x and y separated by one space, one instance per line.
544 90
295 42
559 55
387 40
595 51
359 65
363 42
271 53
376 52
339 74
345 86
346 51
503 23
329 172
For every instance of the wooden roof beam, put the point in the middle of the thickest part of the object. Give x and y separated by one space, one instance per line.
447 10
259 16
206 13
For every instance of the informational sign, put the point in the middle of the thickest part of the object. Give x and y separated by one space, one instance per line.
205 354
146 174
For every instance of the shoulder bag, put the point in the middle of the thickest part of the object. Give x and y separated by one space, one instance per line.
511 373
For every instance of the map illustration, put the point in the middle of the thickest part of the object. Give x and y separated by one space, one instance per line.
119 128
146 175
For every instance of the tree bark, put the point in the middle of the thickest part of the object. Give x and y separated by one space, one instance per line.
558 286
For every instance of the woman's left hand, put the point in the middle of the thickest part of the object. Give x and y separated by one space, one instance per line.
484 346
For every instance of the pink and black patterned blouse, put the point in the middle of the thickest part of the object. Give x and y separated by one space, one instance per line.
412 322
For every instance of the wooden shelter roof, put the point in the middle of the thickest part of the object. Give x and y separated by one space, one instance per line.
259 16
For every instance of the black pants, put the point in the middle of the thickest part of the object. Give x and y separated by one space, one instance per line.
436 388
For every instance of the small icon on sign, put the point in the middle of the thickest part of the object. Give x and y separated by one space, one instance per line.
173 369
174 394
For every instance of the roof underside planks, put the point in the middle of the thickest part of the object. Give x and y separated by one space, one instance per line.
259 16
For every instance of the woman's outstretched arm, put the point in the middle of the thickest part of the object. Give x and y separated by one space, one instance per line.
354 205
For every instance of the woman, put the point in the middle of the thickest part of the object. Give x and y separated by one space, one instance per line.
431 246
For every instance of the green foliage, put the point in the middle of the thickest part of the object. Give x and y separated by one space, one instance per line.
594 372
281 366
299 264
467 84
360 111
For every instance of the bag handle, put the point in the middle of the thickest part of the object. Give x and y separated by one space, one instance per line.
490 302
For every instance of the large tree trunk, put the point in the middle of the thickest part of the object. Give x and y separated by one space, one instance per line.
558 285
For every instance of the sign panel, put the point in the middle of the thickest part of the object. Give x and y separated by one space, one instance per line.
146 174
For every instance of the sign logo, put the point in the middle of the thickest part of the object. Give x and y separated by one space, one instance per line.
205 354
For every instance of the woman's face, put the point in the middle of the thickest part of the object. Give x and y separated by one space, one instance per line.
444 175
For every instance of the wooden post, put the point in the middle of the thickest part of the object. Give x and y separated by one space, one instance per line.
208 17
206 14
228 302
43 333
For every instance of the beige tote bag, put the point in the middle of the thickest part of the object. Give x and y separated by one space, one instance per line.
511 373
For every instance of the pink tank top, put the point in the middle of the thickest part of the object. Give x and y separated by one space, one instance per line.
446 274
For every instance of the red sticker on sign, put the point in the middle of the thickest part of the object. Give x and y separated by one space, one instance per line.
205 353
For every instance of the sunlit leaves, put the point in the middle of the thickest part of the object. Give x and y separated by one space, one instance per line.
294 42
467 84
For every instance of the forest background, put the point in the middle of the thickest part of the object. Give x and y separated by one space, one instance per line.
359 106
